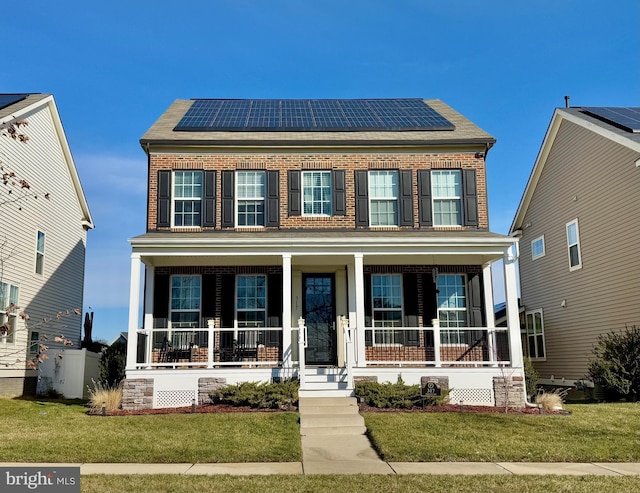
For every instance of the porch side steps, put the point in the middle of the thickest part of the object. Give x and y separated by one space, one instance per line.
330 416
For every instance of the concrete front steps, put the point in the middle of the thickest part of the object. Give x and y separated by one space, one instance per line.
325 382
322 416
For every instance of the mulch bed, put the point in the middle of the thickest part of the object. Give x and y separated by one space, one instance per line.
226 408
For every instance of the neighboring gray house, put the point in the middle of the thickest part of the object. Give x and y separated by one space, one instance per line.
579 227
42 247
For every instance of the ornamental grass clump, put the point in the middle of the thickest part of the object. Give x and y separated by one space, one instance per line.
551 401
103 393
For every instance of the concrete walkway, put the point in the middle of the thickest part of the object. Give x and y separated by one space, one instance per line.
361 465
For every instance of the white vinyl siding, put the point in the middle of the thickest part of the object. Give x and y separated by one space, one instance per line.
573 245
383 198
447 197
537 248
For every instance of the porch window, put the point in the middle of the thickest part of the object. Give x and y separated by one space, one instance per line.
8 312
447 197
40 253
251 301
250 198
316 193
383 198
537 248
386 291
185 301
535 334
452 311
187 198
573 245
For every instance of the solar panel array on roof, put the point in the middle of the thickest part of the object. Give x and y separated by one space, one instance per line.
9 99
625 118
311 115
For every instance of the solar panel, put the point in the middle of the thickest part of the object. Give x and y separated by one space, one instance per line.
9 99
311 115
625 118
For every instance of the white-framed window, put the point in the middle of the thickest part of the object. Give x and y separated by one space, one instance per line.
40 253
537 248
8 312
452 307
535 334
251 301
383 198
185 301
316 193
187 198
446 190
573 245
34 342
386 294
250 197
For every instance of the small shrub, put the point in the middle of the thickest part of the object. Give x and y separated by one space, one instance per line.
396 395
113 361
550 401
616 365
530 377
275 395
110 395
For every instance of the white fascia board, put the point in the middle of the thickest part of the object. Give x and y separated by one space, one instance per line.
604 132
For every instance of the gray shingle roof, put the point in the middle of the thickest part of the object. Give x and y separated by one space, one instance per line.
466 132
579 112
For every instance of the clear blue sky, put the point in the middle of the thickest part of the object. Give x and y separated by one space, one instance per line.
115 66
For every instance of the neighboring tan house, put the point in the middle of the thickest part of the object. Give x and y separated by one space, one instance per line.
42 250
579 226
325 240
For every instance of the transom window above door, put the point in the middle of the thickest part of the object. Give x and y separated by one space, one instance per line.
250 197
316 193
383 198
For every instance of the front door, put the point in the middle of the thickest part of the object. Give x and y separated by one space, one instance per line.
320 317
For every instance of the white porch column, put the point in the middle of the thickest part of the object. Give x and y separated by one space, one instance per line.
134 306
286 310
489 311
513 315
149 287
359 295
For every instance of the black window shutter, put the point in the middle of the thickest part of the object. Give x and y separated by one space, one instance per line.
272 212
208 302
429 300
161 296
164 199
424 198
228 213
209 199
470 197
411 311
406 197
274 301
228 301
368 311
295 193
362 198
475 312
339 205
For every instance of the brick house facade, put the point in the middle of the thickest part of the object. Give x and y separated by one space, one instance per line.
319 254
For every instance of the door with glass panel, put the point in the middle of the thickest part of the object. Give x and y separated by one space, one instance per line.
320 318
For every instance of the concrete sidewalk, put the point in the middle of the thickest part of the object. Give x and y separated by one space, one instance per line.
362 466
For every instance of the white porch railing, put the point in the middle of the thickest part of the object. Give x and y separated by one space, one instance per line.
302 345
350 354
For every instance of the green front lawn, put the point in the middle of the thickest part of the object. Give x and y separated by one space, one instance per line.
592 433
40 431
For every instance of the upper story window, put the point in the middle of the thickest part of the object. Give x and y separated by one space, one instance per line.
187 198
40 253
185 301
573 245
535 334
383 198
251 301
452 307
316 193
8 312
447 197
250 198
537 248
